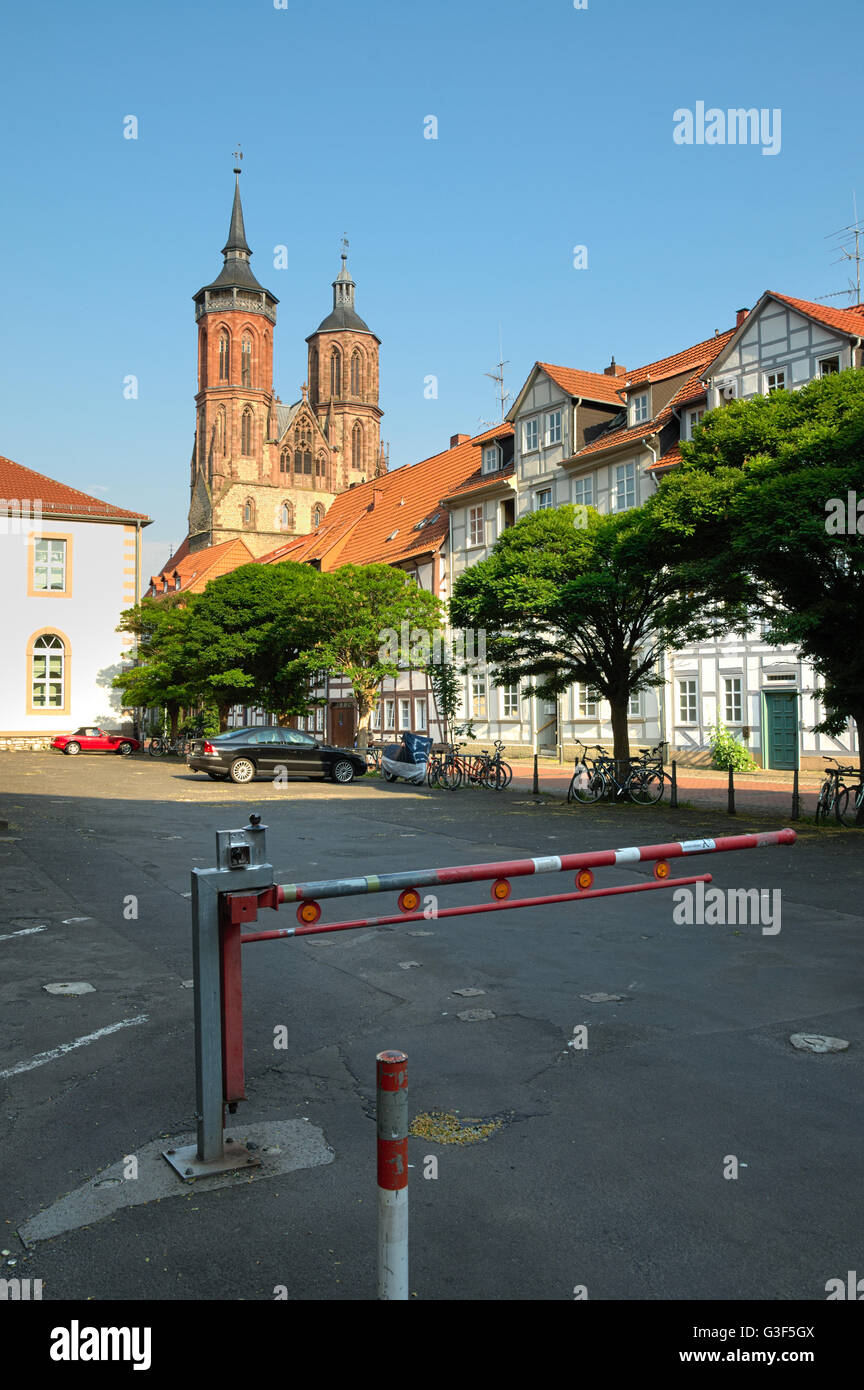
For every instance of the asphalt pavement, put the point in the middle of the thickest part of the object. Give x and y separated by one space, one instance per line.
587 1139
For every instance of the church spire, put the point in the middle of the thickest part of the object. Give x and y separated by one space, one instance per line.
237 232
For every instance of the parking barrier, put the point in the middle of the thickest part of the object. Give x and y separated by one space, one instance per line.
227 897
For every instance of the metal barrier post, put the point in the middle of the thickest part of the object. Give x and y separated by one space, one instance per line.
673 793
536 787
796 802
730 805
241 867
392 1109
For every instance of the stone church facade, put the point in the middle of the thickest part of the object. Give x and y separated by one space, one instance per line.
263 471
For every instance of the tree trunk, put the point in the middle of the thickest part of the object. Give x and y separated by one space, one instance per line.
620 736
173 709
365 704
223 711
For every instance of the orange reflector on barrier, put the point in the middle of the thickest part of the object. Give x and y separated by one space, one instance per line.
661 869
409 900
501 888
584 879
308 912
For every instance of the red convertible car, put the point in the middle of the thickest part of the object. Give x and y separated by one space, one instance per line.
93 740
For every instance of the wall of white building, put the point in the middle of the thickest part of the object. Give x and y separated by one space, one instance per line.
101 580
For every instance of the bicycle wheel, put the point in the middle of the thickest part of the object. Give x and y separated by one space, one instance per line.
451 775
508 773
823 802
156 748
586 787
646 788
841 806
495 778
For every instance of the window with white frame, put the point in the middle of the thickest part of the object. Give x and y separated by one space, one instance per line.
375 721
491 458
49 565
420 716
583 491
319 720
693 418
530 435
634 705
389 714
732 700
775 381
476 529
404 714
478 695
543 499
553 427
509 702
48 672
829 365
589 701
624 491
639 409
688 701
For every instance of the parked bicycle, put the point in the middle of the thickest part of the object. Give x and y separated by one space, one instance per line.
836 801
595 778
449 767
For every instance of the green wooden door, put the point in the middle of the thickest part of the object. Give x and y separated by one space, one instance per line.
782 728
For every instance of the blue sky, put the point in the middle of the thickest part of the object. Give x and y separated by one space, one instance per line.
554 130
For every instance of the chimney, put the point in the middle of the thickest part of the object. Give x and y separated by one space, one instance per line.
377 496
740 317
614 370
457 439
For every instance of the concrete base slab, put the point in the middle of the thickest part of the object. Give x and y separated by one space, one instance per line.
186 1162
283 1146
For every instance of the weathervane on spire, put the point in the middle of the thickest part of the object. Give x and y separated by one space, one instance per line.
238 157
344 248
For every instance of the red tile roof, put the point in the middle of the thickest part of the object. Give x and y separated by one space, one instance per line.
195 569
393 518
479 480
593 386
697 356
21 484
849 320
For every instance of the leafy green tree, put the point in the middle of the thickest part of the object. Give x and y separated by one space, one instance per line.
446 682
767 502
250 635
160 676
370 621
569 595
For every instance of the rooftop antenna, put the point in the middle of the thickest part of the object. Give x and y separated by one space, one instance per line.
503 396
849 246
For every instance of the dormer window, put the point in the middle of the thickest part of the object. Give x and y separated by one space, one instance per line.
639 409
491 458
693 418
176 581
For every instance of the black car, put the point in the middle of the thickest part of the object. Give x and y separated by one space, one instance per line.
275 752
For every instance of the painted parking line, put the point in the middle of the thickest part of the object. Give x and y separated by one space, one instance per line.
25 931
42 1057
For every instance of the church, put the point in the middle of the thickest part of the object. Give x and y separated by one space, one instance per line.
264 472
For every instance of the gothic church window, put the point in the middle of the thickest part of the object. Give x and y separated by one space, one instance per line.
249 512
335 372
224 357
287 516
357 446
356 374
285 462
246 432
246 361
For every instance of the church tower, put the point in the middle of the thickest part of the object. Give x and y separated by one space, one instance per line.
235 405
343 385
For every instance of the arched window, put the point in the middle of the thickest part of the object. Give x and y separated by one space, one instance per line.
224 357
202 443
313 373
335 372
321 465
246 432
357 446
303 450
220 431
317 515
48 672
356 373
246 361
285 461
287 516
249 512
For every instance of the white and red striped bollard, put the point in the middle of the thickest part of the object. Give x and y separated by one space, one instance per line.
392 1109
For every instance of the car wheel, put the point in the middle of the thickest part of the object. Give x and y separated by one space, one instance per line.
343 772
124 749
241 770
72 748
